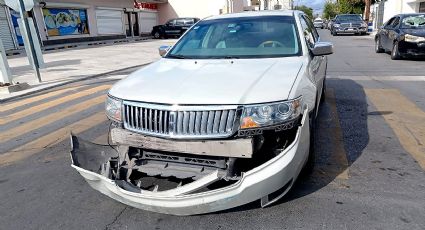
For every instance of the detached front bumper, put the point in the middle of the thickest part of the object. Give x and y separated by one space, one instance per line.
268 182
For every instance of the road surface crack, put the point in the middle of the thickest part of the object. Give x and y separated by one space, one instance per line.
116 218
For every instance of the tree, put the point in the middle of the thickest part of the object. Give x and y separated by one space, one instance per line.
307 10
330 10
351 6
367 10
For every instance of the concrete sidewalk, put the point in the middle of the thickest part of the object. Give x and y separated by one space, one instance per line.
70 65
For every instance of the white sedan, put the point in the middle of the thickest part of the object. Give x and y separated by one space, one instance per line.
223 119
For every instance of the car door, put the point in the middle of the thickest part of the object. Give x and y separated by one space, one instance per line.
169 27
383 34
317 65
393 32
179 26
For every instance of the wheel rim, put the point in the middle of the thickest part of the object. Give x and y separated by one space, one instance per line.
156 35
395 50
377 44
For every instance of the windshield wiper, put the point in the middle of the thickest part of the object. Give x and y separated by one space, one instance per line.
230 57
177 56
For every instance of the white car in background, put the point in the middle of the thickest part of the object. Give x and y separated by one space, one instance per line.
319 23
225 118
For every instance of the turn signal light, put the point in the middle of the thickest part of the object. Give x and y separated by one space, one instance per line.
248 122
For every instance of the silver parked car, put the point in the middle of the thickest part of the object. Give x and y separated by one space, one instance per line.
223 119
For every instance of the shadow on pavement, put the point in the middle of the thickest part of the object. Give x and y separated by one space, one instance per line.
331 167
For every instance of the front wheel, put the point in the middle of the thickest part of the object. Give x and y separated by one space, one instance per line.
334 33
378 46
309 165
395 53
157 35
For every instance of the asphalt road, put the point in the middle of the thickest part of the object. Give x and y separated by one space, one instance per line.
370 165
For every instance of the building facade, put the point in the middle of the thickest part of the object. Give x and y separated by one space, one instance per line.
384 10
70 21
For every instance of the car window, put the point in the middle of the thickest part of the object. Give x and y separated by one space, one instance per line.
413 22
188 22
395 22
179 22
245 37
310 33
389 22
171 22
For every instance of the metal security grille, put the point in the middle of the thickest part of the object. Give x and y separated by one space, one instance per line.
5 31
180 121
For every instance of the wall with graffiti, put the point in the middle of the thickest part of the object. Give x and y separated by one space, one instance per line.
61 22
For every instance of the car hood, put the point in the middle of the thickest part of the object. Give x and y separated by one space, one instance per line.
415 32
218 82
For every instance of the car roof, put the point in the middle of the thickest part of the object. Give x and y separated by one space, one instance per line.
255 14
410 14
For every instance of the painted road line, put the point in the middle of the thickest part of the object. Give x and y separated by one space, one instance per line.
52 117
405 118
51 139
50 104
22 102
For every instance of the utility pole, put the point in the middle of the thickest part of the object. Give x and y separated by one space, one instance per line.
32 55
5 75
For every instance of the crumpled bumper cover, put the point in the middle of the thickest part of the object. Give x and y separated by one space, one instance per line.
279 172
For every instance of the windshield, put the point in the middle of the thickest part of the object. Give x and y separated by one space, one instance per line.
345 18
249 37
413 22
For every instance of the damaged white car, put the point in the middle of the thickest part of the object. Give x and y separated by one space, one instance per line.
223 119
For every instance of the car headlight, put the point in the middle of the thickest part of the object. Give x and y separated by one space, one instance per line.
336 25
413 38
113 108
255 116
364 24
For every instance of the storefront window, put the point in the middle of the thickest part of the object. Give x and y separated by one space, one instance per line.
61 22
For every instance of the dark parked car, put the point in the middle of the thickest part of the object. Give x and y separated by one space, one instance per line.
174 27
403 35
349 24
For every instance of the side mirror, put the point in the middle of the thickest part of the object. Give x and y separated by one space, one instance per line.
322 48
163 50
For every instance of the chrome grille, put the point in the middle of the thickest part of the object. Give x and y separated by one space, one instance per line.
180 121
350 25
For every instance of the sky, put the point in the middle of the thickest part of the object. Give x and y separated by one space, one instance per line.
317 5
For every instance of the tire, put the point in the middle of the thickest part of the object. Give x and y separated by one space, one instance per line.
309 165
395 53
334 33
323 96
157 35
378 46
